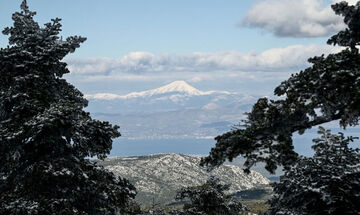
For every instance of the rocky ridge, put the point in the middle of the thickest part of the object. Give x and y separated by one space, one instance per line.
158 177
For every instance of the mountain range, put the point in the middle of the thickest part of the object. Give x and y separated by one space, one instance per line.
158 177
176 110
178 87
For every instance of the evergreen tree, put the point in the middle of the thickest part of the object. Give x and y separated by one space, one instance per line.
209 199
326 184
324 92
45 136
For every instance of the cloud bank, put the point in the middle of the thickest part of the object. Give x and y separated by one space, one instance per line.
142 63
294 18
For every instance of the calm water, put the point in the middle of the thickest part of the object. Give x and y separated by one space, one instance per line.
124 147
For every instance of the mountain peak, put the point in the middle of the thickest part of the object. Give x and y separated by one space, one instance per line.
179 86
174 87
179 83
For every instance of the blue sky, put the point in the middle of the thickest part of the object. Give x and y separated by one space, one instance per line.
115 28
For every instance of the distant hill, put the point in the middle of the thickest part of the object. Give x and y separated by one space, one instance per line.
176 110
158 177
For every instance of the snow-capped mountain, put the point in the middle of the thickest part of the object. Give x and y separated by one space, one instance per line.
159 176
174 110
177 87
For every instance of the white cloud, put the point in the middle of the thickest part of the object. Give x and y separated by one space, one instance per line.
200 77
136 63
84 77
351 2
103 96
295 18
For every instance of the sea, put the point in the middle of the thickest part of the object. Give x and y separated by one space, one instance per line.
202 147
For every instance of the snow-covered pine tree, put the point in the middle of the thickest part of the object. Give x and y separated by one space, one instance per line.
209 199
45 136
324 92
326 184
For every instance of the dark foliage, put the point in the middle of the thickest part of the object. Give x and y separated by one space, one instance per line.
209 199
133 208
324 92
45 136
326 184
